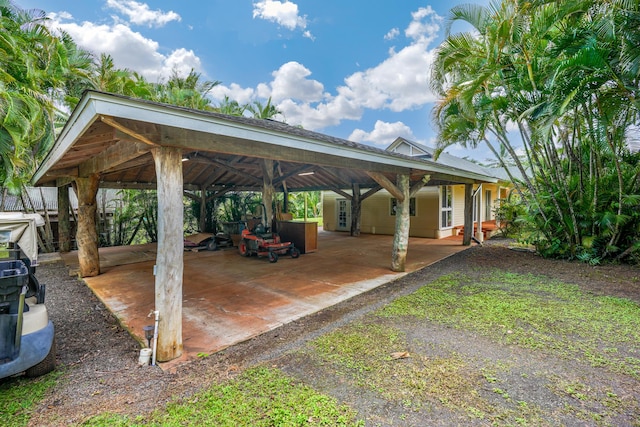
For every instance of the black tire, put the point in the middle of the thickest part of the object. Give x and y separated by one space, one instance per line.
212 245
294 252
243 249
273 257
46 366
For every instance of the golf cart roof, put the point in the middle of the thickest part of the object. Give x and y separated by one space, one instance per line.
21 228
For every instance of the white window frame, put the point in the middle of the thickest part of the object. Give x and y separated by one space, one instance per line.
446 194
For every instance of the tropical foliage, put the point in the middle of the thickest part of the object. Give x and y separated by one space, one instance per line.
35 66
552 87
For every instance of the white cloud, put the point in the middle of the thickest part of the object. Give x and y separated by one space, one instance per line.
383 133
284 13
398 83
128 48
392 34
235 92
421 28
291 81
141 14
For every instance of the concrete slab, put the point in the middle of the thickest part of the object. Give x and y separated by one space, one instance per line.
228 298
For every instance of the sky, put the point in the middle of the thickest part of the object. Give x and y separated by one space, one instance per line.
353 69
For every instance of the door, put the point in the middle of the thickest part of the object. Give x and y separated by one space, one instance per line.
344 215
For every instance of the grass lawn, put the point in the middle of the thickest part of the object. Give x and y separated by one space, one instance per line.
412 355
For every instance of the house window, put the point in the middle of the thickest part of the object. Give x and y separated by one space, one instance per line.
412 206
446 206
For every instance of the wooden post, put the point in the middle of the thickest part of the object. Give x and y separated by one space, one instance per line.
87 234
356 210
202 223
479 234
169 260
403 222
64 221
468 214
267 190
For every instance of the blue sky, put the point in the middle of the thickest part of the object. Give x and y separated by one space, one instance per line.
352 69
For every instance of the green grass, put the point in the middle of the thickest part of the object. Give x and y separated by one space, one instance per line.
533 312
528 311
361 353
258 397
19 396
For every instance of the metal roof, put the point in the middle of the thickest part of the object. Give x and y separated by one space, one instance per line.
112 135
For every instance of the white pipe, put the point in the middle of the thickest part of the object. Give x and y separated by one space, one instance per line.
155 338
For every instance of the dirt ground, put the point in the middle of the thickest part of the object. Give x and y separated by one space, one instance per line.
100 373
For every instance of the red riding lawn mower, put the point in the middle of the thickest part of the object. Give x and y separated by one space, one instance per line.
262 242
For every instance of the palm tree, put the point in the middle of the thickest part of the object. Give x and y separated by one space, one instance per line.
267 111
565 75
34 66
189 91
230 107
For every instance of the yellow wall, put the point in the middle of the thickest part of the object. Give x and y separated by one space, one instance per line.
377 219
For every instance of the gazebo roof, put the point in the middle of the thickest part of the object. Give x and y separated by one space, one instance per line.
113 135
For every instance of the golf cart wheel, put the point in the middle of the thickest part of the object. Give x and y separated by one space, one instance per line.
294 252
212 245
242 248
273 257
46 366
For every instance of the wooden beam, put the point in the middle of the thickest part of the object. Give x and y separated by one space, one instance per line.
115 155
70 173
296 171
169 259
417 186
337 177
113 123
230 166
371 192
388 185
342 193
218 193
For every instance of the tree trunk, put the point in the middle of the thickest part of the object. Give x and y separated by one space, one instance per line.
403 222
87 235
169 260
64 222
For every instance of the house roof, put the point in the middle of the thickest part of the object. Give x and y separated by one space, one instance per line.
426 152
113 135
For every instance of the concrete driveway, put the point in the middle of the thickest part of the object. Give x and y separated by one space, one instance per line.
229 298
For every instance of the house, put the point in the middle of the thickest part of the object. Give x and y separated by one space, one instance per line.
436 211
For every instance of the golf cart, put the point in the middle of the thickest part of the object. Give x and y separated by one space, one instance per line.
27 341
